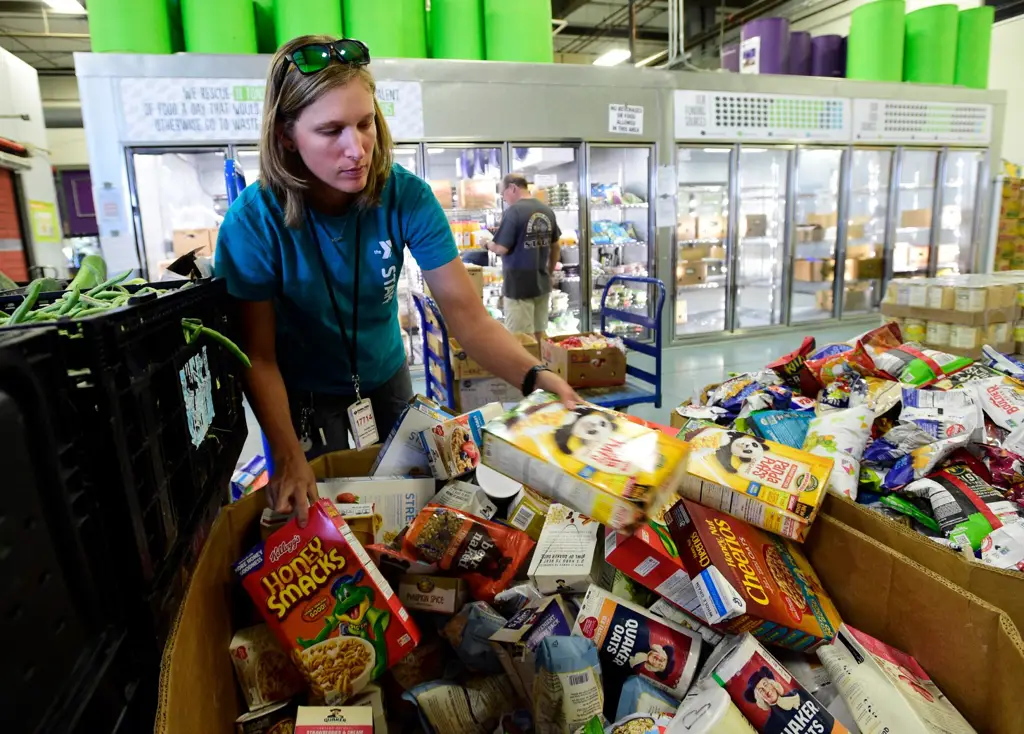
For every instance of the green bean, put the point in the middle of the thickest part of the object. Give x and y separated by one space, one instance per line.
94 302
194 328
26 305
71 301
40 316
108 284
90 312
106 295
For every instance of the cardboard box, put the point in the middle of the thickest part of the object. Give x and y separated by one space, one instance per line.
426 593
476 277
967 318
566 557
478 193
402 452
649 557
444 192
691 272
695 253
711 227
465 367
757 225
807 271
373 697
686 229
185 241
334 720
864 269
604 367
859 252
856 297
809 233
876 589
916 218
823 220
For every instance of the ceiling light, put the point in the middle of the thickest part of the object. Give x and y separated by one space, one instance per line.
66 6
612 58
651 59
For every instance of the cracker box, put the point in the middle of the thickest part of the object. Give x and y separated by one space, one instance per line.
748 580
516 643
632 641
402 452
566 557
432 593
328 604
265 673
590 459
768 484
453 446
396 500
767 694
334 720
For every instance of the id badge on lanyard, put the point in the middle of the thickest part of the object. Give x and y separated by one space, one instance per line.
362 423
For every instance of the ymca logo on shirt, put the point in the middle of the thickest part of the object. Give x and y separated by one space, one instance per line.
388 272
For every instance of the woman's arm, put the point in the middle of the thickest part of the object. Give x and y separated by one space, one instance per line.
484 339
293 485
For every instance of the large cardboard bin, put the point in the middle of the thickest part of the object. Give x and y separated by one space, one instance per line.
584 367
970 648
1003 589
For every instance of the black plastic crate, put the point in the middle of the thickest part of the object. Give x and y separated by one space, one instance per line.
137 452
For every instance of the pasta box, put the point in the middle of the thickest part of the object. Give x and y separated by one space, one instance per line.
584 367
748 580
329 606
590 459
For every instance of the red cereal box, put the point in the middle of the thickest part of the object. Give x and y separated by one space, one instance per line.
328 604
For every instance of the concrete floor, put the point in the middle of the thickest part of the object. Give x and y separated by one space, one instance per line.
686 368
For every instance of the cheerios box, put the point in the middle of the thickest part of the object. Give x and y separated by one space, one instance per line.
331 609
590 459
748 580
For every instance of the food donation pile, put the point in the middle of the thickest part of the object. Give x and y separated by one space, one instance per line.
640 578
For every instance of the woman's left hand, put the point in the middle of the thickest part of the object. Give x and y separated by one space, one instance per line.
547 380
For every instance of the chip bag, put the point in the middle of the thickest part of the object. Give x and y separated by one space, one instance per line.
790 368
915 366
484 553
1002 400
836 360
841 436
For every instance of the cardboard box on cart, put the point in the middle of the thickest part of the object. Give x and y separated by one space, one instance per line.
584 367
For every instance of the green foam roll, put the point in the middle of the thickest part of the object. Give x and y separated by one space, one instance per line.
294 18
974 46
518 31
177 32
930 54
130 26
263 11
456 29
391 28
223 27
874 51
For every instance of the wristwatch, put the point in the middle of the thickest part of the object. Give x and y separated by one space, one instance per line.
530 381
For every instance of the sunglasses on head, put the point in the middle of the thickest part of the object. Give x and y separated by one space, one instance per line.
315 57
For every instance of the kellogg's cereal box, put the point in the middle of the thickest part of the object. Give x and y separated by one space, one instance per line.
767 694
770 485
632 641
748 580
328 604
590 459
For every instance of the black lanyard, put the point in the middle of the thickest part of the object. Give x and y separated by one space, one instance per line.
351 345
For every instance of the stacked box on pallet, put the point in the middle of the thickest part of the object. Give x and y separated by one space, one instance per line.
156 428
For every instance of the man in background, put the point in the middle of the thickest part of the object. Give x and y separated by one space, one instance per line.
527 241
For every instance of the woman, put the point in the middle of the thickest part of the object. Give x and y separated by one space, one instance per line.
314 251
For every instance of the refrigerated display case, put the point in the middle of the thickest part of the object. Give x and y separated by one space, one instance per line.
816 234
701 252
762 236
961 176
621 228
866 230
915 200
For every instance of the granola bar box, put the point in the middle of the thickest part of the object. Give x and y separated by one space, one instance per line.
748 580
590 459
328 604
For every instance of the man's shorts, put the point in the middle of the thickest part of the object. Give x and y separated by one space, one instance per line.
527 315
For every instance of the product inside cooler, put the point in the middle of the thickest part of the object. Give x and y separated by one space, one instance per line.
632 577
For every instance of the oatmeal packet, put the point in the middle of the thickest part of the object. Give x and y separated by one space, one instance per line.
484 553
473 707
567 689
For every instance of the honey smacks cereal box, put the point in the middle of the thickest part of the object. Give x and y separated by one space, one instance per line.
767 484
329 606
590 459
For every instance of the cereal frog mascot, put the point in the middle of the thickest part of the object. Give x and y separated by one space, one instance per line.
353 613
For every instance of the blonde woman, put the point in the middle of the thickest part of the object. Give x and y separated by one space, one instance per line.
313 252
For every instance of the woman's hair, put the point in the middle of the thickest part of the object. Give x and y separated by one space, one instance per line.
288 93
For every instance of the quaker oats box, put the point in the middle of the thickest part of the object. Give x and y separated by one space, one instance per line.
590 459
334 720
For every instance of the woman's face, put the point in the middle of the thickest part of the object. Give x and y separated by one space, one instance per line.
335 137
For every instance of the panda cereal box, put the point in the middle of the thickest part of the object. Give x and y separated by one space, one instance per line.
590 459
769 485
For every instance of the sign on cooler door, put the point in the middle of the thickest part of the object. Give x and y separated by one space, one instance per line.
185 110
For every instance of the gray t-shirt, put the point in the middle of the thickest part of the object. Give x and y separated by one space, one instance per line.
527 229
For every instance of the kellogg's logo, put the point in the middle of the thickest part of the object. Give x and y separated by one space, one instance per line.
284 548
314 610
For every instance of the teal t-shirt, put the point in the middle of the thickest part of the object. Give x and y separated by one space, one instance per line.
262 260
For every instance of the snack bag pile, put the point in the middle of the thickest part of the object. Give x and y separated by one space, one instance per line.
642 582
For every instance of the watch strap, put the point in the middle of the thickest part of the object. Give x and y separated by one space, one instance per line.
530 381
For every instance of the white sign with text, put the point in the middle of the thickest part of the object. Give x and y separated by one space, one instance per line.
625 119
185 110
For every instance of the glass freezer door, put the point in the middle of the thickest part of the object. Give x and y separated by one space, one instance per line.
179 201
957 235
620 229
700 255
760 255
817 225
914 201
870 174
553 173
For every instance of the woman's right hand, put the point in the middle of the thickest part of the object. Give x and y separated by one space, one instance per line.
292 487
